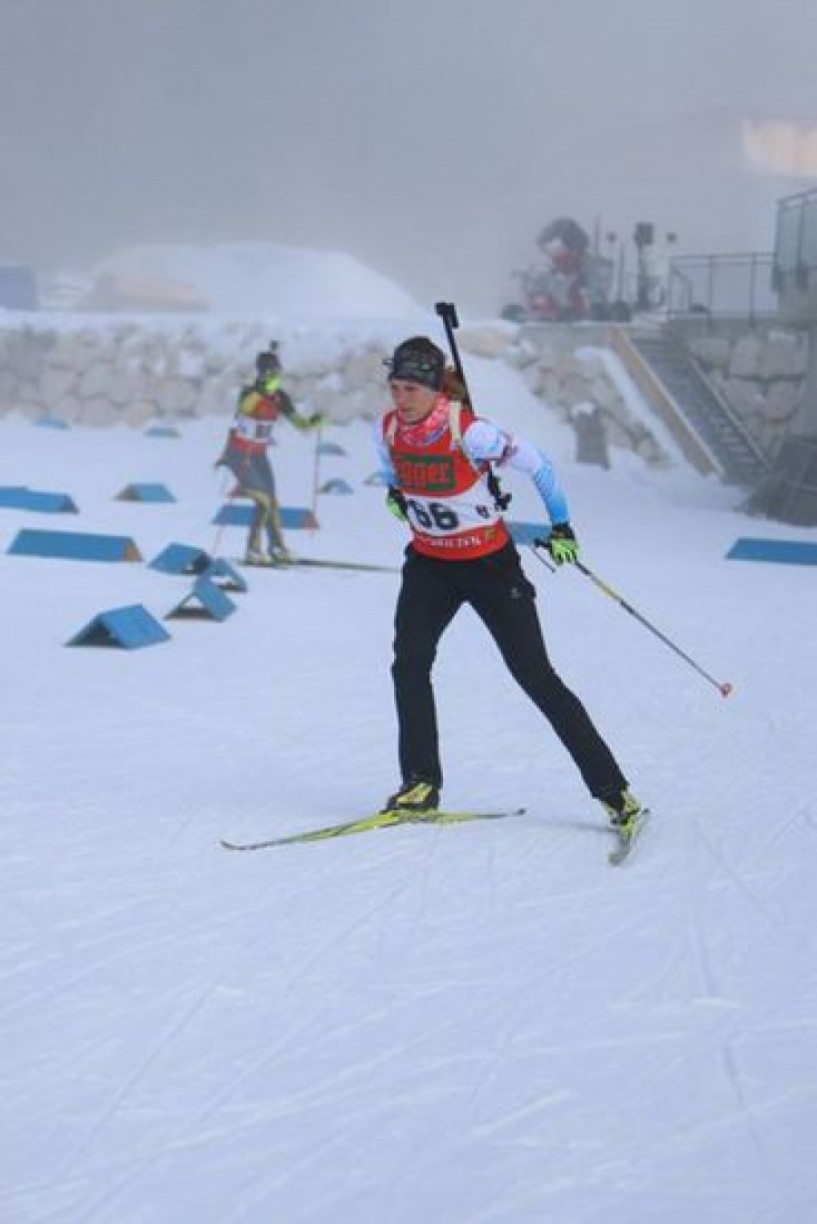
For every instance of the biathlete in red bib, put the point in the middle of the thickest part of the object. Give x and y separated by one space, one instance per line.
245 453
438 458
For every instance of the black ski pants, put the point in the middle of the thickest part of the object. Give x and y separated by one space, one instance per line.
495 586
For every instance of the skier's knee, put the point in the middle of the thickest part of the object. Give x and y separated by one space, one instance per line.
411 663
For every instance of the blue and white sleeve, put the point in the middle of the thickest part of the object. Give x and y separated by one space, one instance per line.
485 441
384 457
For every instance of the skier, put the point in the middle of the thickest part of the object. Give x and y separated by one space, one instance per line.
245 453
437 456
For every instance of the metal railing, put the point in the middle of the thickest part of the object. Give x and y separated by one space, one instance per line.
722 286
795 250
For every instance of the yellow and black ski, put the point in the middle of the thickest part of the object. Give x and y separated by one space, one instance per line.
381 820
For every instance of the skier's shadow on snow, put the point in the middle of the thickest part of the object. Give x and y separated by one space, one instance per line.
567 822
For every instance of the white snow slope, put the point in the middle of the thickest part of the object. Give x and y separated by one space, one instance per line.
479 1024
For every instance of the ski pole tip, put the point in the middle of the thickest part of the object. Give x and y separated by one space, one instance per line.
725 688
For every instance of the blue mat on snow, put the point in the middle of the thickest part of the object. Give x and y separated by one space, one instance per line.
146 493
293 518
181 559
18 497
206 601
76 545
784 552
130 628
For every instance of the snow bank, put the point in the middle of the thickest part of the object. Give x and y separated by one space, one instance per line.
241 279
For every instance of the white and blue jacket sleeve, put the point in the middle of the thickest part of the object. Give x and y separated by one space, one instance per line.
483 440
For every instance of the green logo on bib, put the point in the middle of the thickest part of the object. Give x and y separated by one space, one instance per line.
425 473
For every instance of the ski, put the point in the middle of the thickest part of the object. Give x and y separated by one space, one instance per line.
346 565
626 842
381 820
322 563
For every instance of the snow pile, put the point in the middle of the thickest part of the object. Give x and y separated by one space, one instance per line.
242 279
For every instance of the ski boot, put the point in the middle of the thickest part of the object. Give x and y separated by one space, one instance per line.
280 555
622 810
627 819
414 797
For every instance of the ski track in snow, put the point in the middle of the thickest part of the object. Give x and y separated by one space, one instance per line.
464 1025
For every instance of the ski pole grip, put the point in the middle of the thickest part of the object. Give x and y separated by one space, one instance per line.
448 313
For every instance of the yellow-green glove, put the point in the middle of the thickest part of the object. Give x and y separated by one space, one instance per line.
562 544
306 423
396 503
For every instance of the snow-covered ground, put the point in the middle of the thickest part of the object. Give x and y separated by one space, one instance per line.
480 1023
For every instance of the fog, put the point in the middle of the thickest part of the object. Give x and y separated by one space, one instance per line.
432 139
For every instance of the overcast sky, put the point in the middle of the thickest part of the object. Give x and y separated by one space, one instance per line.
430 138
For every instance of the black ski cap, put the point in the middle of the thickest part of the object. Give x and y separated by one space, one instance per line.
418 360
268 362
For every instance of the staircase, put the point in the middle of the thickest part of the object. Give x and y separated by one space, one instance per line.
712 437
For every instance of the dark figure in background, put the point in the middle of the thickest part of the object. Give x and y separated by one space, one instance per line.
564 248
555 285
245 453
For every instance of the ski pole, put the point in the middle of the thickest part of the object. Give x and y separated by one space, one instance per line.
216 545
540 558
316 466
723 687
448 313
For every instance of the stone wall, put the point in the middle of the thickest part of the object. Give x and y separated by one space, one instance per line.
565 367
109 371
759 370
127 372
133 371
